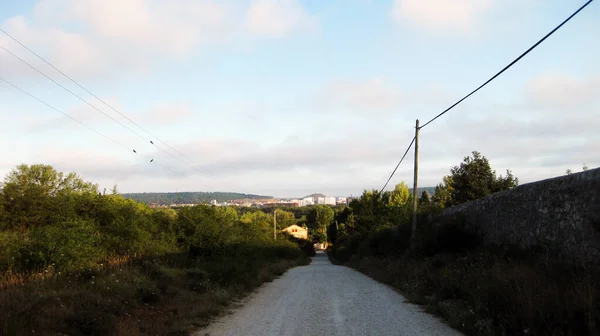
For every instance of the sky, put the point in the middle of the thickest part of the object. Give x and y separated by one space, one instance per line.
291 97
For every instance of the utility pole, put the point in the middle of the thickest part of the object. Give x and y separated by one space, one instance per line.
275 224
416 175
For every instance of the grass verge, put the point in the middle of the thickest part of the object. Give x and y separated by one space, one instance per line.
172 295
483 290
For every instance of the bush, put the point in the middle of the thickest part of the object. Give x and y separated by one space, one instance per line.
70 245
481 290
447 236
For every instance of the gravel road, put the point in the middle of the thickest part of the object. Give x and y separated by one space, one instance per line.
324 299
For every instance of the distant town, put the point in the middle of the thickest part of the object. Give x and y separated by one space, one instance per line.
268 202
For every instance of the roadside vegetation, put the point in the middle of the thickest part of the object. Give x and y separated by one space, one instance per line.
77 262
478 289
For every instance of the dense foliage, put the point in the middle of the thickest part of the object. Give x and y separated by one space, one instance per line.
472 179
59 227
48 218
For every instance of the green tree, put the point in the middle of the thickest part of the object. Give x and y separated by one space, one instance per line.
568 172
443 192
424 199
474 178
33 195
285 218
401 195
318 219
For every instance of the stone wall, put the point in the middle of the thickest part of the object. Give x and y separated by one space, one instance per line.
561 214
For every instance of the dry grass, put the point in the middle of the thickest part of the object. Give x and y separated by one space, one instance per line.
153 297
482 293
482 290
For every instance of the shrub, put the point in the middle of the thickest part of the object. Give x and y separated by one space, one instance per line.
448 236
67 246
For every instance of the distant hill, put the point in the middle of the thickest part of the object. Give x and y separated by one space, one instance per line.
189 197
430 190
315 195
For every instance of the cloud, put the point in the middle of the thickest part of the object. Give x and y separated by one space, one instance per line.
164 114
442 15
558 90
532 137
276 18
167 26
95 37
359 96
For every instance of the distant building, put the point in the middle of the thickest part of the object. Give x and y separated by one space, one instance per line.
320 200
297 231
329 200
342 200
307 201
214 202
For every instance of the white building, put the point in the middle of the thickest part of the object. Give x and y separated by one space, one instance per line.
213 202
320 200
341 200
330 201
307 201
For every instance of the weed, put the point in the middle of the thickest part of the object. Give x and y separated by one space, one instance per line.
482 290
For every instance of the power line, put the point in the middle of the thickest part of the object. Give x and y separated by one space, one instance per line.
107 104
488 81
71 92
398 165
511 63
76 120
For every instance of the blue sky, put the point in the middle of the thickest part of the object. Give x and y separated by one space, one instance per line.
292 97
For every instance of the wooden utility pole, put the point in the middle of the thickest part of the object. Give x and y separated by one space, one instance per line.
416 177
275 224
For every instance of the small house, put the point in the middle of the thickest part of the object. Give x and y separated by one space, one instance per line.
297 231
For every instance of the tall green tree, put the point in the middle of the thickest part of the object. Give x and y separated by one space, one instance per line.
472 179
34 195
400 196
318 219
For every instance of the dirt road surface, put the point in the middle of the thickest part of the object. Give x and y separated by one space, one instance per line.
324 299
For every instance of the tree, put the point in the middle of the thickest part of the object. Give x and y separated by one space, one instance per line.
318 219
569 172
34 195
474 178
443 192
285 218
400 196
585 167
425 199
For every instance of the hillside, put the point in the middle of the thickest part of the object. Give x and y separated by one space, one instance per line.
314 195
189 197
430 190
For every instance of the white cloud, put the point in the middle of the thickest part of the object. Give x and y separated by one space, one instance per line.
355 157
442 15
562 90
164 114
373 95
88 38
276 18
